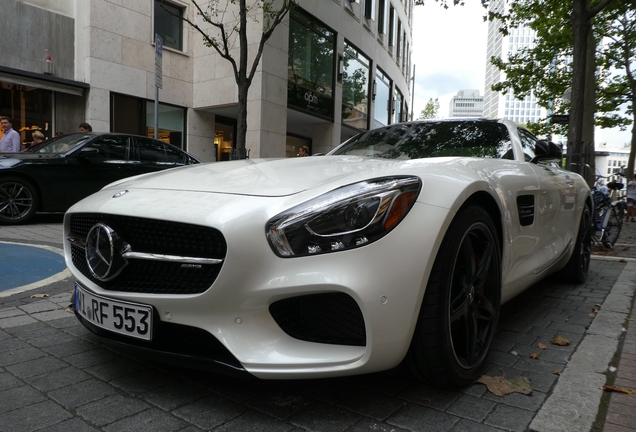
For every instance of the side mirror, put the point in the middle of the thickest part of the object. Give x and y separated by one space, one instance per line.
546 150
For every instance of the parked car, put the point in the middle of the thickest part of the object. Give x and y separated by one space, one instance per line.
53 175
397 248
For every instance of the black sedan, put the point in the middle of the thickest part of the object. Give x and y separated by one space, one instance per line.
54 175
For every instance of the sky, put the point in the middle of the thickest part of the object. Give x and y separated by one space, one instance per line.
449 54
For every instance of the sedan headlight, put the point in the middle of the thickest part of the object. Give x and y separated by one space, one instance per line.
345 218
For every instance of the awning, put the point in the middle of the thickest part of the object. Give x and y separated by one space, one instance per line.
47 82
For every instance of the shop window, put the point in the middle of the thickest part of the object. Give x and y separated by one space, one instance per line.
355 88
168 24
224 132
311 66
293 145
30 109
398 106
382 99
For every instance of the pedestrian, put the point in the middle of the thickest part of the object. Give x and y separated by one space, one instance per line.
631 200
11 140
38 137
85 127
304 151
58 134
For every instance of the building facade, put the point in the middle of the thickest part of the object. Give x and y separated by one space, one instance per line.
333 68
466 104
496 104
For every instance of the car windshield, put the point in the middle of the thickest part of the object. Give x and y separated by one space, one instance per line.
478 138
60 145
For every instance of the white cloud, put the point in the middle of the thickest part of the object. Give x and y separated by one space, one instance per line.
449 52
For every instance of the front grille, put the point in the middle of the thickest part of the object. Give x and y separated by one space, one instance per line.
156 237
330 318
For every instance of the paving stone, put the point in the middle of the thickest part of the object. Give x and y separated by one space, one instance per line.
471 426
58 379
419 418
472 408
322 417
71 425
118 368
174 395
52 339
11 312
538 365
325 390
371 404
81 393
150 420
33 417
51 315
16 321
517 338
32 330
39 306
20 355
66 322
387 383
12 344
374 426
254 422
85 359
110 409
8 381
209 412
143 381
19 397
36 367
510 418
429 396
531 402
278 403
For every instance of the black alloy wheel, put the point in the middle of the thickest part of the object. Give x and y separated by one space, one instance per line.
18 201
577 268
460 310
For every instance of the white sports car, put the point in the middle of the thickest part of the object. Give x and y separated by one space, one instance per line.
396 248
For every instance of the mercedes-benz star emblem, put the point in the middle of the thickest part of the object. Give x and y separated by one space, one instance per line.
104 249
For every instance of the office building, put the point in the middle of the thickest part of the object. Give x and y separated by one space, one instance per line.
467 103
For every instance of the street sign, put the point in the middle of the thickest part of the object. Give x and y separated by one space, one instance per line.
158 61
560 118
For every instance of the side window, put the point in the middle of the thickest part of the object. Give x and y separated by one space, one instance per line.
528 143
150 150
174 155
111 148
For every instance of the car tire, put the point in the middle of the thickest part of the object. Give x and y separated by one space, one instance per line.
18 201
576 269
460 309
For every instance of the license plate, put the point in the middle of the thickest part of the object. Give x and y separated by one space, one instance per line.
130 319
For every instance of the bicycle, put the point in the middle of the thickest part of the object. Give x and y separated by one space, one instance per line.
608 214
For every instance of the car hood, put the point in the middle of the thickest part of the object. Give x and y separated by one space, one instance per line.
264 177
12 159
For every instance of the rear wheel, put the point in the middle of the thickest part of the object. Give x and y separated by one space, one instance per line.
613 229
577 268
460 309
18 201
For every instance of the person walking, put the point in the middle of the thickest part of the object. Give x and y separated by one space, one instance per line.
11 140
303 151
631 200
85 127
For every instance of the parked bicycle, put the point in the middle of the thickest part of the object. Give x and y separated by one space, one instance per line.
608 211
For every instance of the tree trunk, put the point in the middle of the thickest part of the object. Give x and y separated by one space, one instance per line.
242 80
588 151
631 162
580 28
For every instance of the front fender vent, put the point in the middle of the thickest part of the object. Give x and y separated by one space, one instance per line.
525 206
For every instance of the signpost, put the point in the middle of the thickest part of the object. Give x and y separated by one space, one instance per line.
158 78
560 118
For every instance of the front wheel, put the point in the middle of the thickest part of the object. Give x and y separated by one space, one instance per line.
578 266
461 304
18 201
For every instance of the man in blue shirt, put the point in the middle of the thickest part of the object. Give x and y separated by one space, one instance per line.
11 141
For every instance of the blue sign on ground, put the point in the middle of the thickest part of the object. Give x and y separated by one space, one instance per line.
23 265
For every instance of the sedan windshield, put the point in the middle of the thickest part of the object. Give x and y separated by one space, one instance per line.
477 138
60 145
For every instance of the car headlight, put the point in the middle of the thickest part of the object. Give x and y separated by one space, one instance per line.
345 218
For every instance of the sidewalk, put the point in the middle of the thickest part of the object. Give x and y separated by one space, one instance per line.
57 376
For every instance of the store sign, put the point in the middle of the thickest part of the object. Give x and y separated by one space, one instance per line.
158 61
560 118
309 100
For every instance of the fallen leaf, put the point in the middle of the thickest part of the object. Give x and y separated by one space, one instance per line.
595 310
426 399
534 356
69 310
591 315
557 373
39 295
542 346
622 260
598 305
616 389
558 340
501 386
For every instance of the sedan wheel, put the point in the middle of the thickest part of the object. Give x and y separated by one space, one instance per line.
18 201
577 268
461 305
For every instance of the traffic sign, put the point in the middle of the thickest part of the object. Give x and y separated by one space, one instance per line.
158 61
560 118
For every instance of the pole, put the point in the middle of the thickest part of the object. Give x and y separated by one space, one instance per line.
156 123
413 93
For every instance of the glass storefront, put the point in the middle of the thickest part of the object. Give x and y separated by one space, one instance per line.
293 145
355 88
137 116
382 99
311 65
30 109
224 131
398 106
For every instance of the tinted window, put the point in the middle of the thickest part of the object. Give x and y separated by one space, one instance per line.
111 148
433 139
150 150
528 142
